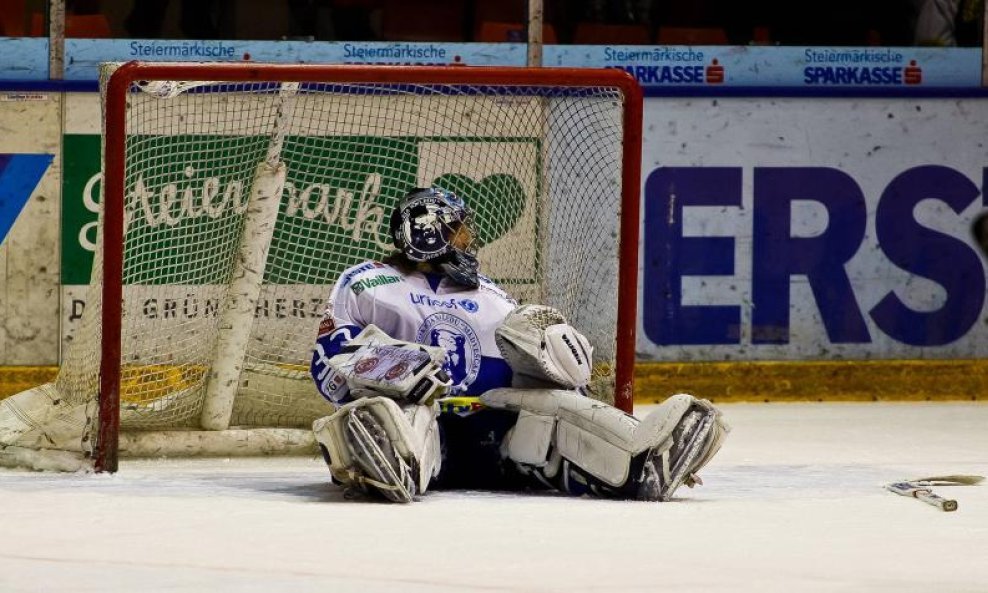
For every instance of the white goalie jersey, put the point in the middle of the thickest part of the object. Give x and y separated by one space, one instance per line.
416 307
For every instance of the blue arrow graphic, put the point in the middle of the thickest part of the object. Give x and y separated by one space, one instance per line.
19 175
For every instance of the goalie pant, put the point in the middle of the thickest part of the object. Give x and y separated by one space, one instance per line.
582 446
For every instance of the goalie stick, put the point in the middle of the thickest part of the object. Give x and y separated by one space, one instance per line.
921 489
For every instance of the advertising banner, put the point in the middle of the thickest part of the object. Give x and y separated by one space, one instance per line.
781 229
791 229
773 229
85 55
330 196
656 67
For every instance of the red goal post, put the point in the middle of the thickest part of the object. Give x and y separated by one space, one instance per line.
121 86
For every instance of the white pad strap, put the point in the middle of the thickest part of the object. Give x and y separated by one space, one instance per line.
538 343
374 442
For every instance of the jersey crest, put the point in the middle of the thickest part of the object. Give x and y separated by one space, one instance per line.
459 339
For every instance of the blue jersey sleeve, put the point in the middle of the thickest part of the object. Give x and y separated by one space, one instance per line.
340 324
329 384
494 373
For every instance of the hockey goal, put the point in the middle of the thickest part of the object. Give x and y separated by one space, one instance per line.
235 194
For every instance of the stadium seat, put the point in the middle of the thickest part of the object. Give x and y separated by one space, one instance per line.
77 26
691 36
498 32
761 35
604 34
513 14
12 19
498 11
427 20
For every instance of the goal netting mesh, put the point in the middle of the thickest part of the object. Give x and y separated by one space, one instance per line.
244 201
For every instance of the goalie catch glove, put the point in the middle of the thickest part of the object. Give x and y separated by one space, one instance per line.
374 364
543 350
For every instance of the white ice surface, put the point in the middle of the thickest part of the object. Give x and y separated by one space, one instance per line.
794 502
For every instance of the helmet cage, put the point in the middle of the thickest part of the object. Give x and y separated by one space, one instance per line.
427 225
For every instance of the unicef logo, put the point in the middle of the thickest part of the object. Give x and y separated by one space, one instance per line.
460 342
469 306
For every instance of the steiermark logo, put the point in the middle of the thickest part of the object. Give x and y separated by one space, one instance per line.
345 201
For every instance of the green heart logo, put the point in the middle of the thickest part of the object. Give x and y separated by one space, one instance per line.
496 200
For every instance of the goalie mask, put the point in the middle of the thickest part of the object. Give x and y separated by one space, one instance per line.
435 226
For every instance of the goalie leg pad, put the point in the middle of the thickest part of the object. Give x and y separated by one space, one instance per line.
604 450
382 467
697 434
373 443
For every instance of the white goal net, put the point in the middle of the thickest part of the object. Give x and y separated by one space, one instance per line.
244 198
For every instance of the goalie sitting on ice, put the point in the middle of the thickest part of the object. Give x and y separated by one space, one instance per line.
422 331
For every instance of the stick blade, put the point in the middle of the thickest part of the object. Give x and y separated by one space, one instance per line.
950 480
